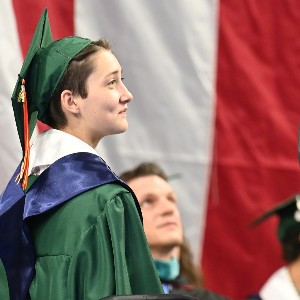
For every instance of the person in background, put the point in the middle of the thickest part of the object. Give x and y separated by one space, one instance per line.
164 231
284 283
69 228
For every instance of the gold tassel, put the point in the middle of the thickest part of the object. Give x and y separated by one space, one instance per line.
23 175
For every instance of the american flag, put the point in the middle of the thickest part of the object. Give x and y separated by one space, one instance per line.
216 86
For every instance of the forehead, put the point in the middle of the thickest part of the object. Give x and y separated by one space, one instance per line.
105 62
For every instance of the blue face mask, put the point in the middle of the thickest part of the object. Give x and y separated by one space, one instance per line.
167 269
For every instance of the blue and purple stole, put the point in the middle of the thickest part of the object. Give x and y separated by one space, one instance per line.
66 178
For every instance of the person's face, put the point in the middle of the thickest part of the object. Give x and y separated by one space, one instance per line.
103 112
162 223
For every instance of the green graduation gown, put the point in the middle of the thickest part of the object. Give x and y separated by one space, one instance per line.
89 247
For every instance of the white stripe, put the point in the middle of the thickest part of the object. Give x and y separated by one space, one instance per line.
10 65
167 49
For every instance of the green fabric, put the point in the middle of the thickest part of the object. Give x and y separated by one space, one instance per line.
4 291
167 269
42 38
91 247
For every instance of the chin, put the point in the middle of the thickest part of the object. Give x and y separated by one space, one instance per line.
173 242
121 131
118 130
123 127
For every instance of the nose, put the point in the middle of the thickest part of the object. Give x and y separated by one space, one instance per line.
167 207
126 96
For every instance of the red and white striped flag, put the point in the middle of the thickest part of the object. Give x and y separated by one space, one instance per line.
216 87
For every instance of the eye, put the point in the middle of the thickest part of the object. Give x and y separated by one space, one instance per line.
112 82
172 199
147 202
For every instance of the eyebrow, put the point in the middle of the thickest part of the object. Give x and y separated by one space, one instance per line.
151 194
114 73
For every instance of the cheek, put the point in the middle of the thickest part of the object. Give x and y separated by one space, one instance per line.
107 109
148 222
177 214
99 113
145 217
109 102
98 105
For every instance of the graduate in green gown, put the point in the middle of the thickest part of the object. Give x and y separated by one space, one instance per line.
69 227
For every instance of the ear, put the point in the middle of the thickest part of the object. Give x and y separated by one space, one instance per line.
68 102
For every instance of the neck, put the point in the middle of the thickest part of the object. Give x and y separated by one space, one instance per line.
166 253
294 271
82 136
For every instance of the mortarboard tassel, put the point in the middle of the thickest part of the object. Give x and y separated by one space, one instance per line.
23 175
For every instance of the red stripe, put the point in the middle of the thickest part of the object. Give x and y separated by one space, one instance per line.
255 147
28 12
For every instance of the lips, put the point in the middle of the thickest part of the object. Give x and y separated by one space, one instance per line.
168 224
123 111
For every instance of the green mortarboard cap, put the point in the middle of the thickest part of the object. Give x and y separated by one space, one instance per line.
43 67
288 212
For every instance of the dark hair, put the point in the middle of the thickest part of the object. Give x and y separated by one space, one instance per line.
187 267
144 169
74 79
291 244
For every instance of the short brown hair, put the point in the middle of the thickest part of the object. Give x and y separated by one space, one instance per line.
144 169
74 79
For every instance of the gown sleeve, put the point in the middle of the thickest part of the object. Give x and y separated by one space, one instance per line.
114 254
